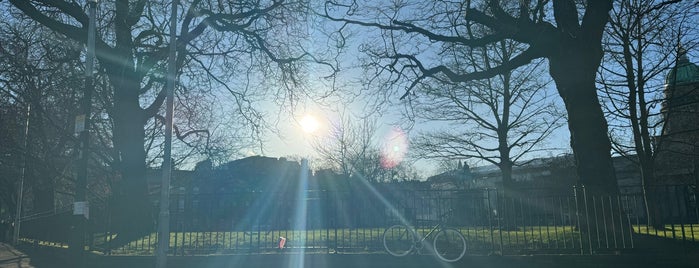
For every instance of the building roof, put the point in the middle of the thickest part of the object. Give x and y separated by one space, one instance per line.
684 72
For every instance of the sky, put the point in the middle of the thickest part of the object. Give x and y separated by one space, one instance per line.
293 141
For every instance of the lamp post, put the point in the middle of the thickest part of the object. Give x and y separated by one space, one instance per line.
23 173
82 128
164 215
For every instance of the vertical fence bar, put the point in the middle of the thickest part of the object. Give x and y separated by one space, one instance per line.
577 215
541 220
628 220
548 221
604 220
174 218
636 209
499 218
594 206
672 216
259 236
555 222
563 220
693 194
521 222
337 201
658 210
490 224
587 219
524 222
663 213
513 227
683 220
696 209
326 221
621 222
611 215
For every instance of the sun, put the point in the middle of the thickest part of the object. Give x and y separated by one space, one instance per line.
309 123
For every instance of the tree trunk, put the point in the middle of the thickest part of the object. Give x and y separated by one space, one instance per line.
650 198
507 187
132 211
574 69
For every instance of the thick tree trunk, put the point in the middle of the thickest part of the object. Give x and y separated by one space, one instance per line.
574 69
132 211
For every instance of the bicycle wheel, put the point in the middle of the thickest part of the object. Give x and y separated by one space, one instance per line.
449 245
398 240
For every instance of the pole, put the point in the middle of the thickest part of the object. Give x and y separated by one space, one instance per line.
80 206
164 215
23 172
86 108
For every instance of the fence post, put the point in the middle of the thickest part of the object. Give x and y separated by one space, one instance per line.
577 218
490 222
587 220
499 218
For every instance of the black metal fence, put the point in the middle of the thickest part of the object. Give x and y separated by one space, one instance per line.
527 221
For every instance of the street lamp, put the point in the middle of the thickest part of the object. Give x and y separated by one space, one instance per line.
82 128
164 214
23 173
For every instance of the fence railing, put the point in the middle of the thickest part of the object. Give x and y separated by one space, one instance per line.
531 221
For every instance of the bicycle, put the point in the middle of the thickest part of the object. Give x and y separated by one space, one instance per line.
448 243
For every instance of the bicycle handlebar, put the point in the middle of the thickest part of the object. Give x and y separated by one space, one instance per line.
446 215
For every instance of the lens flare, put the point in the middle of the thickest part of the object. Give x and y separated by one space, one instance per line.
309 124
394 148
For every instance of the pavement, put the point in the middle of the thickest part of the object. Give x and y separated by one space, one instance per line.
387 261
13 258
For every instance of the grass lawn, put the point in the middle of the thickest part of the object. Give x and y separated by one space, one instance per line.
345 240
369 240
676 231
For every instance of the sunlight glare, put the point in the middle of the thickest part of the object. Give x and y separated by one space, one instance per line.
395 146
309 124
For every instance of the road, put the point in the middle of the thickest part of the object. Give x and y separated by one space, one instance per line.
386 261
13 258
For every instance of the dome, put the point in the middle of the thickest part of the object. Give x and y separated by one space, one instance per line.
684 71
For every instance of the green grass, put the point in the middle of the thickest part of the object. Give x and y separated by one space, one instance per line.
343 240
242 242
680 232
369 240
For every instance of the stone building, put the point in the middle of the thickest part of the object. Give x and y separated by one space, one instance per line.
677 157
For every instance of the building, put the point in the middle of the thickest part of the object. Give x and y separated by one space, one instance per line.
677 149
677 156
555 175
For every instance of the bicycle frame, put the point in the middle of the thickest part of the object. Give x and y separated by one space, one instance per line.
418 242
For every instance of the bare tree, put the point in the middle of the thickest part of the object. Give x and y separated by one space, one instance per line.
348 147
353 148
37 85
641 46
501 120
567 33
218 42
